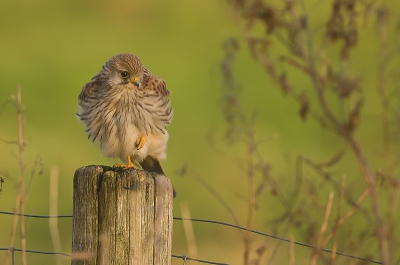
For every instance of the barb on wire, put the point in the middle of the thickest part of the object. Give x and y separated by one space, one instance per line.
12 249
185 258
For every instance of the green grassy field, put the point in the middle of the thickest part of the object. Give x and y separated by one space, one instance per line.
52 48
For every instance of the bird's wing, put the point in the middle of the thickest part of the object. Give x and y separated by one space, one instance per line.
152 164
90 88
155 85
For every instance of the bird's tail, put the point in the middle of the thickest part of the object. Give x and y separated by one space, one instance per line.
152 164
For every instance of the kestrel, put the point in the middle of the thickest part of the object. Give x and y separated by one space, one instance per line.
126 109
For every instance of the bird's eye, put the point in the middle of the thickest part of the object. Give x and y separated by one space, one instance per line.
124 74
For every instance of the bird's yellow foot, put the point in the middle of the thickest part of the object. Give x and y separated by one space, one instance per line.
127 166
140 142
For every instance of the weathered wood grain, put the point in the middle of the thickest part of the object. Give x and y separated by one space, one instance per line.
121 217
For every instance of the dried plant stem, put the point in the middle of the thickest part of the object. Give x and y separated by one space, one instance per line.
252 199
371 184
188 227
20 198
13 230
322 230
382 91
291 251
55 235
219 198
346 133
347 215
382 15
304 55
21 191
337 225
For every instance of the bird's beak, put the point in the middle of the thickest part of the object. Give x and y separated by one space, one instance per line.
135 81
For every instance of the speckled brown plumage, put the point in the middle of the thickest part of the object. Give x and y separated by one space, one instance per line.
127 110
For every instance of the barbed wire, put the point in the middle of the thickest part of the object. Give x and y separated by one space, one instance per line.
275 237
183 257
214 222
12 249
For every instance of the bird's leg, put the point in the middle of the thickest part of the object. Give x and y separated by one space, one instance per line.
140 142
128 165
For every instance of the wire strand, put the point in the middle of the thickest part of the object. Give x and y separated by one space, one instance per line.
37 215
275 237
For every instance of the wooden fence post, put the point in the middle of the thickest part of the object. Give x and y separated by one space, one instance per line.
121 217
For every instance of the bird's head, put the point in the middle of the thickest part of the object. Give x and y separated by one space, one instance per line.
124 69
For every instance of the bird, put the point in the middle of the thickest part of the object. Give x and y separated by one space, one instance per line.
126 109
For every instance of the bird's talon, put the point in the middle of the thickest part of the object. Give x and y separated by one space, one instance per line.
127 166
140 142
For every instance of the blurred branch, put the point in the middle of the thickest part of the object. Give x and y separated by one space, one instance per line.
391 182
341 27
219 198
21 192
241 126
342 219
20 198
21 185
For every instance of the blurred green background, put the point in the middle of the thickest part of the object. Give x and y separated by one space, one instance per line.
52 48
